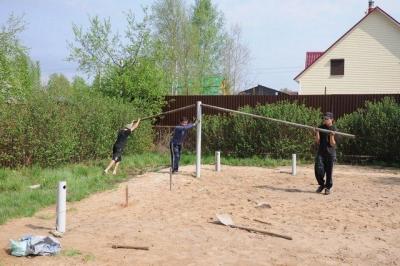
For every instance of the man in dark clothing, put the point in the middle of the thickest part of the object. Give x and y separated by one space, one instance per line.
175 145
326 155
119 145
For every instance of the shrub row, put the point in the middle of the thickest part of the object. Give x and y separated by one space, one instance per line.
243 136
50 131
376 126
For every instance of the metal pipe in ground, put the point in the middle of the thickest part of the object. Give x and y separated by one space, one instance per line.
198 139
218 161
61 206
294 165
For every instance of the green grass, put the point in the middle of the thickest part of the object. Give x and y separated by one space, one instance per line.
71 252
88 257
77 253
18 200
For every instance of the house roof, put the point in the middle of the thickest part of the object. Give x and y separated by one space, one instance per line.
311 57
263 88
375 9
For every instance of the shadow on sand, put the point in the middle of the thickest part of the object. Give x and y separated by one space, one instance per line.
37 227
295 190
391 180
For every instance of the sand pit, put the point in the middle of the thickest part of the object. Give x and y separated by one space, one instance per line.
359 224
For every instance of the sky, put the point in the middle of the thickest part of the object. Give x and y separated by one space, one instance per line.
277 32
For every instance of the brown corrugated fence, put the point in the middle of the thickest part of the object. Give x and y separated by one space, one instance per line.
338 104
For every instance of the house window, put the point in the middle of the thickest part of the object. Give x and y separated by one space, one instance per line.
337 67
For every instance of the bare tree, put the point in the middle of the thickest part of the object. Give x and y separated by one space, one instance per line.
236 57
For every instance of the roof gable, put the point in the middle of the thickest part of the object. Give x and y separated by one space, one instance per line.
311 57
376 9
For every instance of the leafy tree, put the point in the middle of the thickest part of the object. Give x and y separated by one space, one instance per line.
122 66
98 48
19 75
58 84
79 84
209 37
198 55
140 84
173 32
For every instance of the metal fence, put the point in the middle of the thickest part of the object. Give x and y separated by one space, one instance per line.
338 104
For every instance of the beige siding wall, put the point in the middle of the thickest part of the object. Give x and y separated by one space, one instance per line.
372 61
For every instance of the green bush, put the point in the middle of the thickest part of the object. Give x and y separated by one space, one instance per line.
377 129
51 130
243 136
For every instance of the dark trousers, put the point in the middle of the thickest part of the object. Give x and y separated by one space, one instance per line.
175 155
324 165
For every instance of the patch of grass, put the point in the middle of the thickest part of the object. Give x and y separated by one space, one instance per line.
258 161
73 209
71 252
18 200
46 216
88 257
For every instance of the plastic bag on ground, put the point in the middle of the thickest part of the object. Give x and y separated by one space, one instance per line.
35 245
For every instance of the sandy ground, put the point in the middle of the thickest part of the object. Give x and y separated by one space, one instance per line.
358 224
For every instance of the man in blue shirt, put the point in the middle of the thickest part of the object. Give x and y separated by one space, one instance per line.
178 137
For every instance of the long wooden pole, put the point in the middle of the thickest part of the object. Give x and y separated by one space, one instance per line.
279 121
129 247
168 112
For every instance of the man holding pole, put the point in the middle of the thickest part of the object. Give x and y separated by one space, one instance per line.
326 155
119 145
175 145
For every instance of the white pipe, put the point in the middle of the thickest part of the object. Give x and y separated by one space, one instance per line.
294 170
198 139
61 206
218 161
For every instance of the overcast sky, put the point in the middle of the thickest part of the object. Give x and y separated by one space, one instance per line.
278 32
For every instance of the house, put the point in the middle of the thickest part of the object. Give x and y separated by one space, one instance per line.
262 90
365 60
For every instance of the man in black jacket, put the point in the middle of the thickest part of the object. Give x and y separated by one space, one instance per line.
326 155
119 145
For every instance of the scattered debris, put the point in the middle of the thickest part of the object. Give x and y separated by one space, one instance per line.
34 186
129 247
226 219
263 205
56 233
35 245
259 221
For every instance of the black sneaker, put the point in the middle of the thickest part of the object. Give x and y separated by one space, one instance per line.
319 189
327 191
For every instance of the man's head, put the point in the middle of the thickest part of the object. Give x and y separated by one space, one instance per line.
328 119
184 121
